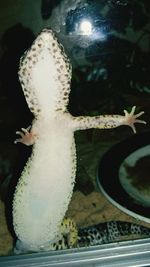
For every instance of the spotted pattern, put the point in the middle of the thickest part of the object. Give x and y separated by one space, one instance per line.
101 234
47 41
45 75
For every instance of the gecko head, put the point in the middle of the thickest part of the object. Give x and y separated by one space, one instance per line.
45 74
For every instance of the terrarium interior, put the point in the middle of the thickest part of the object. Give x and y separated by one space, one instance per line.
108 46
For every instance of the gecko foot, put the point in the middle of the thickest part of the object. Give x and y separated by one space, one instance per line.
27 138
131 118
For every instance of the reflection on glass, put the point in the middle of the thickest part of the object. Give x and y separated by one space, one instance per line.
85 27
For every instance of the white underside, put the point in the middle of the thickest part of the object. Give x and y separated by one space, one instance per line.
41 203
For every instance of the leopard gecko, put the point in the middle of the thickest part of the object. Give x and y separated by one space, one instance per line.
101 233
45 186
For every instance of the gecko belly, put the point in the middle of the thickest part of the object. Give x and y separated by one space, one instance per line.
44 191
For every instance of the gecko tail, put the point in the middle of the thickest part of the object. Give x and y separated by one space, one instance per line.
99 234
110 232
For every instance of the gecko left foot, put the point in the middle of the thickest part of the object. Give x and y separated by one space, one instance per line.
131 118
27 138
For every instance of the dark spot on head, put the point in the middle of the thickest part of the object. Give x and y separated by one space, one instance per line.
24 71
26 95
32 102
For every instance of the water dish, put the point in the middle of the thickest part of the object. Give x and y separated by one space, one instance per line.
116 170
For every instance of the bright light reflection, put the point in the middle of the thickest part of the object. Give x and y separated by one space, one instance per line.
86 27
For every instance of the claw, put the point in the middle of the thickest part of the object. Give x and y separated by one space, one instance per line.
132 110
19 133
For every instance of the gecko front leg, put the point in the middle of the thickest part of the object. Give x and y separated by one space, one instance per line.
108 121
27 137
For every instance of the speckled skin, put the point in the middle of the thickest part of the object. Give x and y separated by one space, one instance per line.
45 187
102 233
111 231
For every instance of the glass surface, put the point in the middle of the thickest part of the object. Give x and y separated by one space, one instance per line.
108 44
127 254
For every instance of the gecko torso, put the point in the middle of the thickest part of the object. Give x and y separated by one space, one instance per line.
45 187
